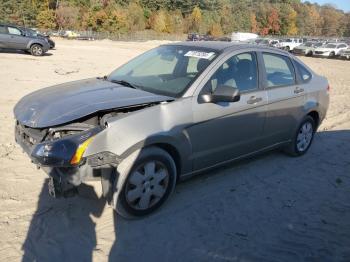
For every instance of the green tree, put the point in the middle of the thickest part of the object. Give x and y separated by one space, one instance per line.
46 19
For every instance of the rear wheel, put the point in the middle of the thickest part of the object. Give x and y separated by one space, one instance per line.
287 48
36 50
302 138
149 183
332 55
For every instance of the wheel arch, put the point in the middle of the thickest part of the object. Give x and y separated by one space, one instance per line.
180 152
31 43
315 116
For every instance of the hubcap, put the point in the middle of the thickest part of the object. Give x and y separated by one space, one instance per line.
37 50
147 185
304 136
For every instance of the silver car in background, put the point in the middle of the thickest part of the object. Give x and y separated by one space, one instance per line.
330 50
170 113
307 49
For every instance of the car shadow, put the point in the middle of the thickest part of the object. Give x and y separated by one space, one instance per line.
11 51
268 208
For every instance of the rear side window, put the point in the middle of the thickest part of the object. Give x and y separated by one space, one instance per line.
279 70
3 29
305 74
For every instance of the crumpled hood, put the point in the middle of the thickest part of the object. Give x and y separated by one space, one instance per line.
67 102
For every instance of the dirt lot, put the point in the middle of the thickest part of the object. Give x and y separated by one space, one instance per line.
271 208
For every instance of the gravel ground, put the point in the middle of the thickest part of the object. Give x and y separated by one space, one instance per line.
270 208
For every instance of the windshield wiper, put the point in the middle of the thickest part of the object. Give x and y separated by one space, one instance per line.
124 83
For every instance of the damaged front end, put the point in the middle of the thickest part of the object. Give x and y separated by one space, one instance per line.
59 152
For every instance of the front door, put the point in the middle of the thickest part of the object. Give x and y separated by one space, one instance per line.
224 131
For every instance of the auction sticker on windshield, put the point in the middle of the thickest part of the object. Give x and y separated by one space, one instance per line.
199 54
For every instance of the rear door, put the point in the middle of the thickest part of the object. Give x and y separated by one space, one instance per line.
286 97
17 40
4 36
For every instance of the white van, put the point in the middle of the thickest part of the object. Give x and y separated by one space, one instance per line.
243 37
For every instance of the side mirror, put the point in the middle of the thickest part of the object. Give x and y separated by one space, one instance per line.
222 94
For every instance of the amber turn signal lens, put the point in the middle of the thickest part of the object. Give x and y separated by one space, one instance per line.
80 151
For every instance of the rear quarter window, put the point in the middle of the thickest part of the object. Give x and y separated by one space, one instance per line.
305 75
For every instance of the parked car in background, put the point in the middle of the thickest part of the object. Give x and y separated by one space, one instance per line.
274 42
170 113
193 37
307 49
70 34
330 49
289 44
16 38
198 37
345 53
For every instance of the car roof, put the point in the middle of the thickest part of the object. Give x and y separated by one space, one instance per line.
7 24
221 46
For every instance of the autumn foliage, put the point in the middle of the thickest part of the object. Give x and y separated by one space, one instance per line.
215 17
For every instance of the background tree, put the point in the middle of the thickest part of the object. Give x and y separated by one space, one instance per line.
195 19
46 19
67 16
277 17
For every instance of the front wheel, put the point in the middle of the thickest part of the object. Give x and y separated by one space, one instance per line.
149 183
302 138
36 50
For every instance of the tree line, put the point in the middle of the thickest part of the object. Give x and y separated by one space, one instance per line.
214 17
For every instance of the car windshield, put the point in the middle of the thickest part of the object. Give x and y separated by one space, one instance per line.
31 32
165 70
289 40
330 46
319 44
309 44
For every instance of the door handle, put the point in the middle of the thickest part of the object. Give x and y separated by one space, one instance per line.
298 90
254 100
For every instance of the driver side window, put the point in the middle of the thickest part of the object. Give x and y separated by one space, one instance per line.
239 71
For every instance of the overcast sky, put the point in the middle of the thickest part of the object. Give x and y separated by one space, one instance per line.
341 4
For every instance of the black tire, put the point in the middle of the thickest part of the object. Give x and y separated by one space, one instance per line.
292 148
287 48
332 55
146 155
36 50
